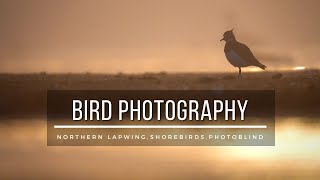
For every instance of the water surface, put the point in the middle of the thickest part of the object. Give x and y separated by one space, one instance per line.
24 154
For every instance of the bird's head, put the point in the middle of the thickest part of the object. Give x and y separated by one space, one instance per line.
228 36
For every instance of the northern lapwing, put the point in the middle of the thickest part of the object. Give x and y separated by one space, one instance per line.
238 54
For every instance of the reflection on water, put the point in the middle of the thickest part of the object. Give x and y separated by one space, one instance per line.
294 140
296 155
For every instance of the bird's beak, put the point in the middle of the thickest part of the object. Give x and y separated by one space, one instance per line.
222 39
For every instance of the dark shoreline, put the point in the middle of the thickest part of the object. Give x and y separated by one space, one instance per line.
24 95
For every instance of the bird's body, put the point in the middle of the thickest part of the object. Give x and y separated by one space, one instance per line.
238 54
235 59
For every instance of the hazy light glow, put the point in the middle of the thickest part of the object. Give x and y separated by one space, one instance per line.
254 69
299 68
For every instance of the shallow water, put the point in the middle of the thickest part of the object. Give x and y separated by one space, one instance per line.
24 154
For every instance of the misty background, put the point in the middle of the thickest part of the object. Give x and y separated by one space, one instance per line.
110 36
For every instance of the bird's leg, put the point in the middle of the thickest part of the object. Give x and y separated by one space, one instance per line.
239 76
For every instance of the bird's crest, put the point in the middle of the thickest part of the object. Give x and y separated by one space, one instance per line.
228 35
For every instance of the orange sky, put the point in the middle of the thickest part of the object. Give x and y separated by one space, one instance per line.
147 35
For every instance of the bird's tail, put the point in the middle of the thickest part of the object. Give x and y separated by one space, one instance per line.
262 66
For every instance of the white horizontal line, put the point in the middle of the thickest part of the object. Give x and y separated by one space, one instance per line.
160 126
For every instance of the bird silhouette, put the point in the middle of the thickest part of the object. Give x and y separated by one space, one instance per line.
238 54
